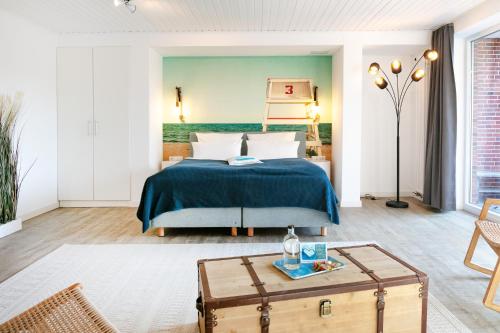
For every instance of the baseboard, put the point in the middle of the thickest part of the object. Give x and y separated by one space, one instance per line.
389 194
97 203
40 211
350 203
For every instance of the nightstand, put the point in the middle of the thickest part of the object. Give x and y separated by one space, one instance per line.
325 165
166 164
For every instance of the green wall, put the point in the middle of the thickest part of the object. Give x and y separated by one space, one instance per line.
232 89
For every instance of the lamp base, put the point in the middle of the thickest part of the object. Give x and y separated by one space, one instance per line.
396 204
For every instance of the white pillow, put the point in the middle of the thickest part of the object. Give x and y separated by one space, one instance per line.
215 150
273 136
219 137
264 150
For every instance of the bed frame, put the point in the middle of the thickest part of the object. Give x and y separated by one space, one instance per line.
242 217
239 217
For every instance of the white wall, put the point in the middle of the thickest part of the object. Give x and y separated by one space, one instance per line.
28 64
156 107
480 18
347 142
337 103
378 159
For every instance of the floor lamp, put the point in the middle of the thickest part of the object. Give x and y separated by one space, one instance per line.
397 96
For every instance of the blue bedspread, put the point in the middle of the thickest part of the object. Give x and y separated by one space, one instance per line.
291 182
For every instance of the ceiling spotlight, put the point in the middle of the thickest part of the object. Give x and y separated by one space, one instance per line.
125 3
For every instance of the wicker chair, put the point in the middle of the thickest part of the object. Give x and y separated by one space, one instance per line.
491 233
67 311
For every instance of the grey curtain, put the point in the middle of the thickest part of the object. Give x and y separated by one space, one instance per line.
439 179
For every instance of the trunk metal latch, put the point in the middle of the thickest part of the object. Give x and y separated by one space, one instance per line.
325 308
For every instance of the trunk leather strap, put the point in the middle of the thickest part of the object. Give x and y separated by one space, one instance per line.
380 293
265 320
380 307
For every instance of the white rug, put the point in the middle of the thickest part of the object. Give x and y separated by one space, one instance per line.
143 288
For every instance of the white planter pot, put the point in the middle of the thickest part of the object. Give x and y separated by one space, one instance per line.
10 227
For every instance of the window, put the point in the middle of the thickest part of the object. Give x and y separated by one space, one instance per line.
485 120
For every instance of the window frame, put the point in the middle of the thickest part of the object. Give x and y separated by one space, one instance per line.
469 76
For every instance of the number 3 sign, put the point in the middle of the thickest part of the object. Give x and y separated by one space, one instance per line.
288 89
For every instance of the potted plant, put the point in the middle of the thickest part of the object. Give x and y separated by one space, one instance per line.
10 180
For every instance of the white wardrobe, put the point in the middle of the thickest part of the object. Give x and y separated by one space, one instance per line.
93 91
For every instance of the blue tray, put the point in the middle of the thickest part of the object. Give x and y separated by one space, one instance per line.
305 270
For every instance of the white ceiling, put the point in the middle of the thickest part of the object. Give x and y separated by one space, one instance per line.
101 16
391 50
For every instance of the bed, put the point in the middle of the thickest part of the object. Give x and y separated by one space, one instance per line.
211 193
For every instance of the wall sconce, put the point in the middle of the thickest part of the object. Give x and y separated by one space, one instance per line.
315 105
178 103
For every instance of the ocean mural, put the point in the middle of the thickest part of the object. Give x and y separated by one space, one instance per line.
232 89
179 133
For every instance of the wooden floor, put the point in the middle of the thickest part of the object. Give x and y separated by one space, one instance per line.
434 242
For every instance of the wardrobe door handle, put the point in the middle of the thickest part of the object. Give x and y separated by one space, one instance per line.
96 127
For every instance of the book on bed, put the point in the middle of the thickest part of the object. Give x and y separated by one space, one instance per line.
243 160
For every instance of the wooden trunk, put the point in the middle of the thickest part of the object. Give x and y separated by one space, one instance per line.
376 292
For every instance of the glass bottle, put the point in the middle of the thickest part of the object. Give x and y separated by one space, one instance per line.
291 249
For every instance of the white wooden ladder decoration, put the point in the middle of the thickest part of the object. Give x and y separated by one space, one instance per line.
293 92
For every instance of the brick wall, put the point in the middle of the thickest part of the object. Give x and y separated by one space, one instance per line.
486 120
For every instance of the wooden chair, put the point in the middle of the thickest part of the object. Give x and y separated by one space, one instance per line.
66 311
491 233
